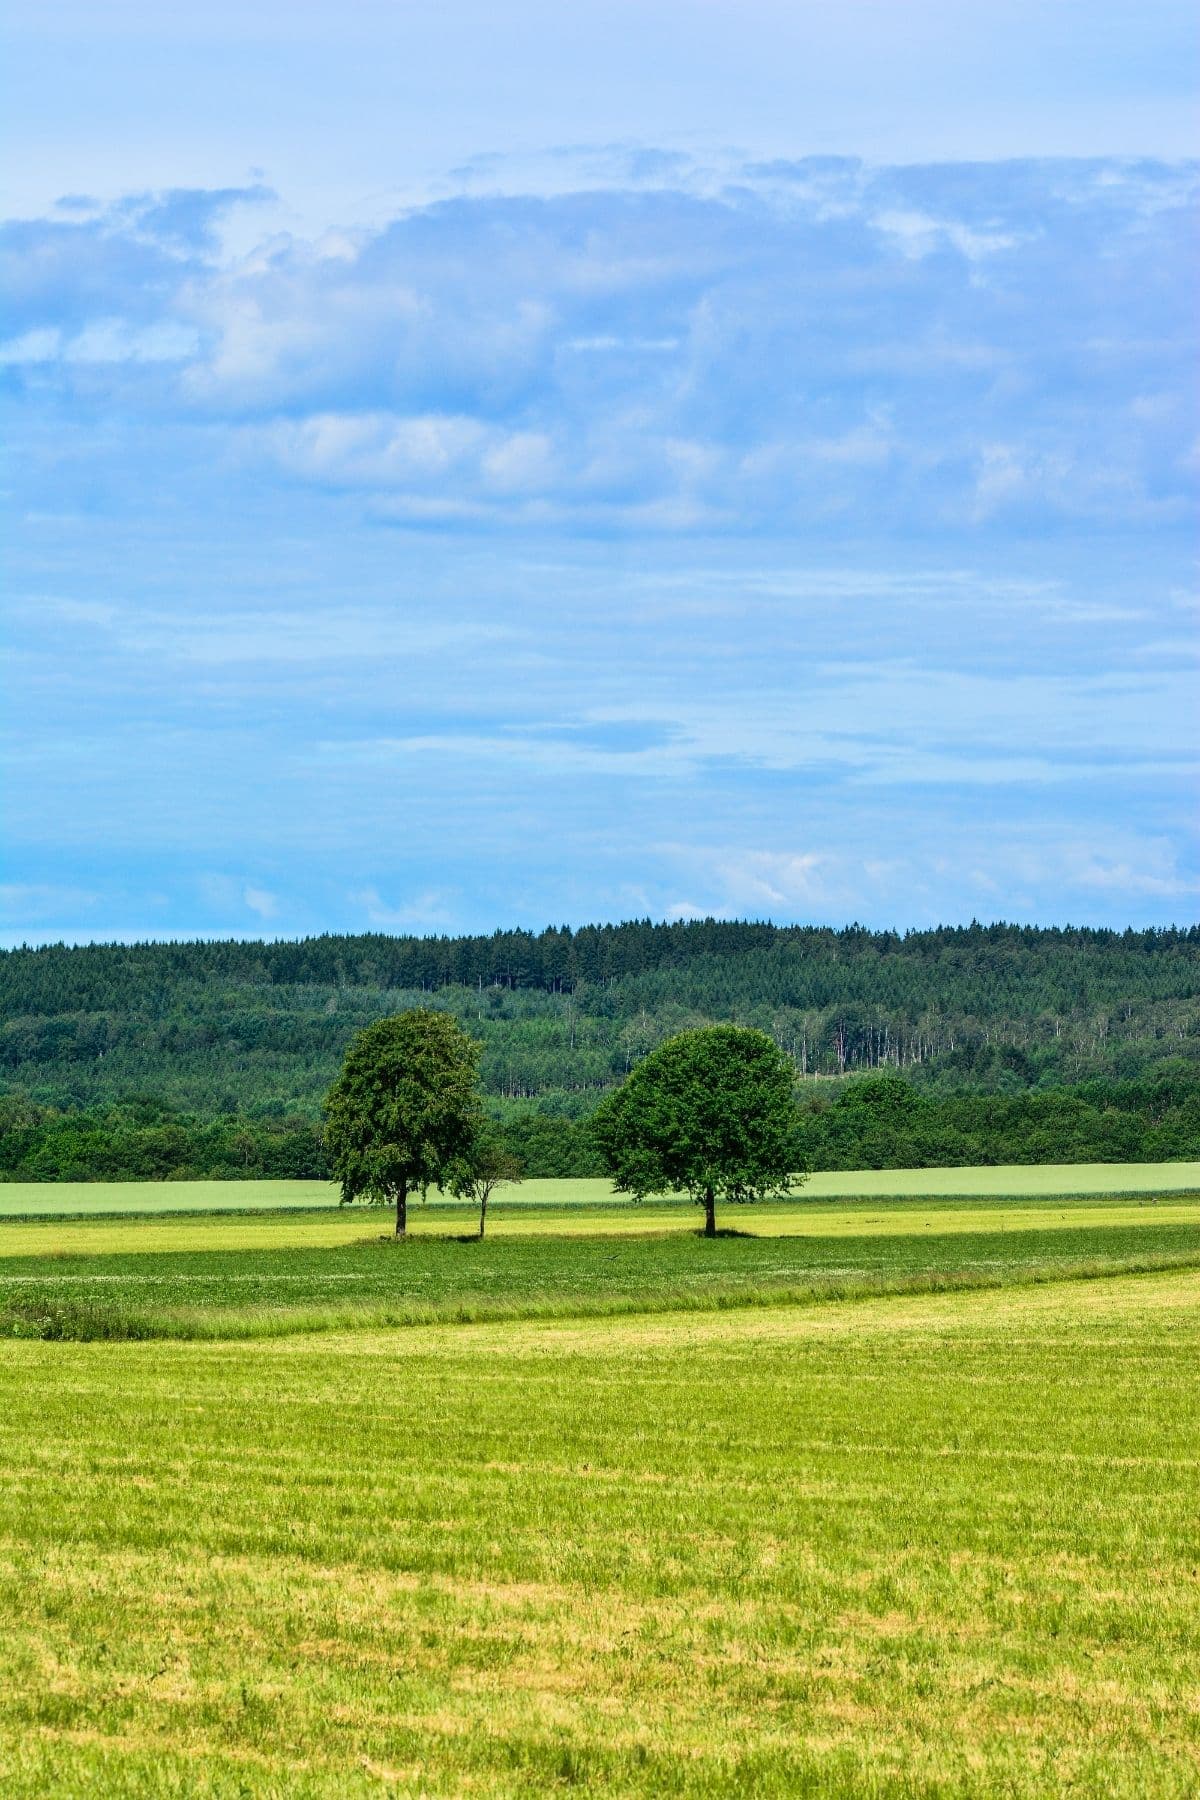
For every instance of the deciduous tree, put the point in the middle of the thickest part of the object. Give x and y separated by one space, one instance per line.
405 1110
710 1113
491 1165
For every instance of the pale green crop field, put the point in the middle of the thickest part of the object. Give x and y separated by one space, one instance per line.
913 1546
345 1227
29 1198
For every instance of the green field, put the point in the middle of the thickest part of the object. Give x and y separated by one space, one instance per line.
895 1498
26 1199
942 1545
257 1275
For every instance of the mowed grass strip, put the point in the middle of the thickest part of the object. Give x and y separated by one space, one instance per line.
933 1546
62 1199
227 1278
806 1217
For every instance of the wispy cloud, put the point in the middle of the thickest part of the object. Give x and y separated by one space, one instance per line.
431 910
262 901
227 895
35 902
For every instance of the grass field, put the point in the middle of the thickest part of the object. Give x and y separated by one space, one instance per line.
30 1198
598 1504
919 1546
256 1275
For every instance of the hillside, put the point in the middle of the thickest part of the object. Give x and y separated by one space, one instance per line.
260 1027
253 1033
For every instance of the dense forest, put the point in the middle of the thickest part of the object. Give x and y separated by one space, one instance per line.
1004 1043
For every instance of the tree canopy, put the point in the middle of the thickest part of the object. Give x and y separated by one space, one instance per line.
405 1110
710 1113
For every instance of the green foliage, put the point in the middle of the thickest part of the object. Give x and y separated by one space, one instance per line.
1156 1119
404 1113
260 1029
710 1113
885 1122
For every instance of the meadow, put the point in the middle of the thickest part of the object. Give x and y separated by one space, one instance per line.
915 1546
877 1496
237 1275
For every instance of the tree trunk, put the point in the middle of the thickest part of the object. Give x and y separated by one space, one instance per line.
710 1213
483 1200
402 1209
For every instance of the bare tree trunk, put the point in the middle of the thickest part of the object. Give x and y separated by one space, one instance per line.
483 1200
402 1209
710 1213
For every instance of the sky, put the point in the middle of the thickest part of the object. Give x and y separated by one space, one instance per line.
476 466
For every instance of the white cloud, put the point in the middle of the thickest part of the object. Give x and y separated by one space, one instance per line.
919 235
774 355
374 450
684 909
521 462
661 505
228 895
1154 872
759 879
648 345
1007 870
261 901
281 639
429 910
117 341
38 346
109 340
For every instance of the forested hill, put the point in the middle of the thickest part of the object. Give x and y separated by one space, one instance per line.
1015 968
259 1028
990 1043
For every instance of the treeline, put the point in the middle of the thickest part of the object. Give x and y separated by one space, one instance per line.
875 1121
60 978
146 1141
215 1028
883 1122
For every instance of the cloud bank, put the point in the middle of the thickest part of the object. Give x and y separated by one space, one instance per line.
804 537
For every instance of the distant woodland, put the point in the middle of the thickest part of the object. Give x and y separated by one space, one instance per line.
980 1044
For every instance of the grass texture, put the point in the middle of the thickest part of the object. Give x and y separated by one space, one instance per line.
915 1548
28 1199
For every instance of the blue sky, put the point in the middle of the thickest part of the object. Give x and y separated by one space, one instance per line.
473 467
